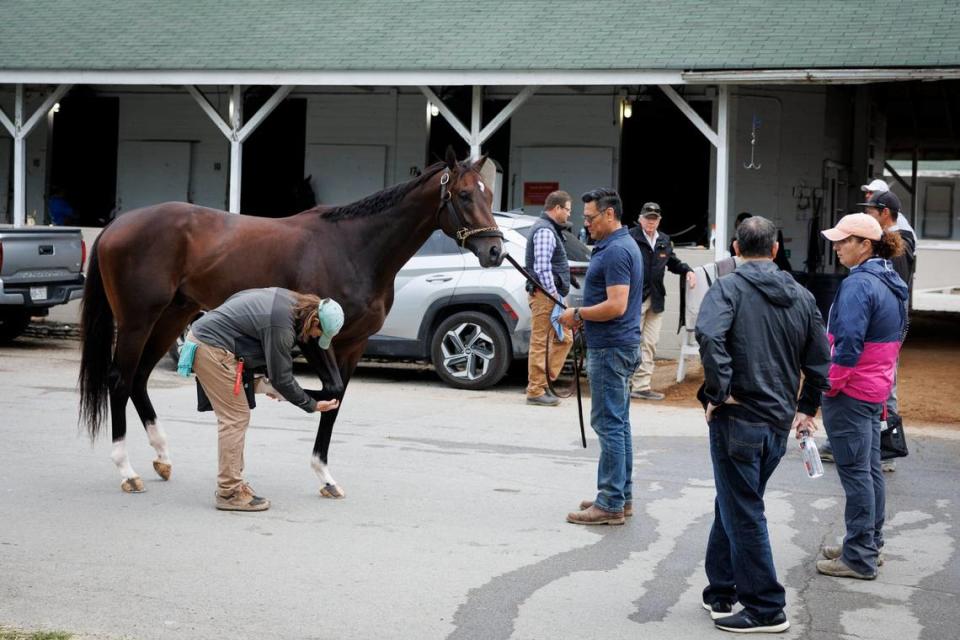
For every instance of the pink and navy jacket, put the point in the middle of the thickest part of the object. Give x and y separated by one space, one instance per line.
866 327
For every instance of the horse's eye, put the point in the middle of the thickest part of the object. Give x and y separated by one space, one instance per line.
464 195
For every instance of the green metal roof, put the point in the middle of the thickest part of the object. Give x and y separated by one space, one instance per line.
425 35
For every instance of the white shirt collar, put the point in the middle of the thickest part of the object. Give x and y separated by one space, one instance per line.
651 241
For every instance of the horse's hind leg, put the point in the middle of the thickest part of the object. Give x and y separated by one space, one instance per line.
165 331
127 355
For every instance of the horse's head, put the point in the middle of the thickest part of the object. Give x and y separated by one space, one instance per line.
465 212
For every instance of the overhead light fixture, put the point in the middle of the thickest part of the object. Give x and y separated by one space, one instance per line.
627 108
56 108
434 110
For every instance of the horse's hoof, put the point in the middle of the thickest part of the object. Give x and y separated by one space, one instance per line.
162 468
132 485
332 491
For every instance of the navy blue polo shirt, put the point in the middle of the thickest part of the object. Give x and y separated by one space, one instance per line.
616 260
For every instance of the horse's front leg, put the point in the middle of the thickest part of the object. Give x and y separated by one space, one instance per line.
335 377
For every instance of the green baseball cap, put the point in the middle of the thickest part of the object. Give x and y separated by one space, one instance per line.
330 314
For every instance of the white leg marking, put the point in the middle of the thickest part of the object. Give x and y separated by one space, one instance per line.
120 458
322 470
158 440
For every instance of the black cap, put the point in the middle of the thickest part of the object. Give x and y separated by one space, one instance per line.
883 200
650 209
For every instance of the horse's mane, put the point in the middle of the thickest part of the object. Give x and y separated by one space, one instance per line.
381 200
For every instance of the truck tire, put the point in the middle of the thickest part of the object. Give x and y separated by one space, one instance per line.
470 350
12 324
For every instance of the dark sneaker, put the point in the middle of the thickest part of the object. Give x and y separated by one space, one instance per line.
718 609
826 452
545 400
627 507
743 622
596 515
832 553
837 568
243 499
646 394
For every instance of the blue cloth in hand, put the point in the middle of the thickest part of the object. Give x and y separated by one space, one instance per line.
187 353
555 320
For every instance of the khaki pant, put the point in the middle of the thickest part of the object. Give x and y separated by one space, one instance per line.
650 322
541 330
216 369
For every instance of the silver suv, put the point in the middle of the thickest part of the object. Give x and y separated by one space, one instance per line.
469 322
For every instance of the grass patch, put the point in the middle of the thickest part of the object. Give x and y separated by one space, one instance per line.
14 634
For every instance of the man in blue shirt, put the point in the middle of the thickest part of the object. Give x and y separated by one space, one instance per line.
612 297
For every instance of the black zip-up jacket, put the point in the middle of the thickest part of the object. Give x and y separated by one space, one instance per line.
758 329
655 261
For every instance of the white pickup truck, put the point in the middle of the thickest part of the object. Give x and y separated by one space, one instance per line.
39 267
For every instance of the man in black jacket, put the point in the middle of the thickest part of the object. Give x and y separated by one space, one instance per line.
657 251
757 329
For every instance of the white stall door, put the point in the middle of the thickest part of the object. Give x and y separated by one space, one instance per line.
341 174
150 172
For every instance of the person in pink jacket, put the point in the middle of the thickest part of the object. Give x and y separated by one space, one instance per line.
866 327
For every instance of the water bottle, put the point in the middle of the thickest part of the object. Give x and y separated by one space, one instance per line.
811 456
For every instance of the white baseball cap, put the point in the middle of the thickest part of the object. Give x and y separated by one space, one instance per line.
876 185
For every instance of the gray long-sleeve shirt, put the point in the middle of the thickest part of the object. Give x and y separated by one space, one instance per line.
258 325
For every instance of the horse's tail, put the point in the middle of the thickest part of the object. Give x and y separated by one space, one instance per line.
96 330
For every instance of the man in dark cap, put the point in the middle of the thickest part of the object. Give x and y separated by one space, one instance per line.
657 251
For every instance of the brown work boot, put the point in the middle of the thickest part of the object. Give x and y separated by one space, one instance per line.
595 515
839 569
627 507
243 499
832 553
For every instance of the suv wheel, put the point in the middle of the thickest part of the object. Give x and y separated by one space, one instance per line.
470 350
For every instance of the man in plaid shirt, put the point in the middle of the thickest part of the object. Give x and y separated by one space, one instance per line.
546 260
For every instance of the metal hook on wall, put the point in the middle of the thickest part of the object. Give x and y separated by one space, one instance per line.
753 145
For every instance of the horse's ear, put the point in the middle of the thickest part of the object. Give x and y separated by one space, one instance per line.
451 158
478 165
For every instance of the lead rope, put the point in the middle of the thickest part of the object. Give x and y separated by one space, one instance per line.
577 355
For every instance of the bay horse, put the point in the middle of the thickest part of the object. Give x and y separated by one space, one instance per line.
152 270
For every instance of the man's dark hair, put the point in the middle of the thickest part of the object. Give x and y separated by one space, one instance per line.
743 215
605 198
756 236
556 199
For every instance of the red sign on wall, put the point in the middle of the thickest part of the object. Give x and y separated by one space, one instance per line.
535 193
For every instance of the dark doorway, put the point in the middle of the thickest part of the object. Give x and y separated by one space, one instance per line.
273 184
665 159
83 163
442 135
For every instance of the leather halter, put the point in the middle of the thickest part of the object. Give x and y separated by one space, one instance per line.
463 231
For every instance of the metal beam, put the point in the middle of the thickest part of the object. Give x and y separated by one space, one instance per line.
898 178
51 100
236 148
692 115
7 124
264 111
506 112
723 164
476 113
210 110
446 113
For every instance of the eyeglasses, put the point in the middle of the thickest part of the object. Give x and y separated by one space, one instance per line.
650 210
589 219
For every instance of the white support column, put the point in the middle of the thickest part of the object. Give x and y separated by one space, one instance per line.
19 130
723 170
476 113
237 132
236 148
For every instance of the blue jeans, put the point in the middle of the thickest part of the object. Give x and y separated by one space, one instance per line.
610 369
739 560
854 429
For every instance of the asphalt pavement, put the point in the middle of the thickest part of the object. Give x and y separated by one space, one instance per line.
453 525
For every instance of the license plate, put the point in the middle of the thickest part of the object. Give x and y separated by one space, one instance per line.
38 293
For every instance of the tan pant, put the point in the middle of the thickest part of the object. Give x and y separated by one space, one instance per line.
650 322
541 330
216 369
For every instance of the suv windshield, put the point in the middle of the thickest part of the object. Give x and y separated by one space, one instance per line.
576 250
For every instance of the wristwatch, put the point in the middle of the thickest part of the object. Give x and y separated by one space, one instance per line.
576 314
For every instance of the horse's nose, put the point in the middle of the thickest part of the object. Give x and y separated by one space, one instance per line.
496 253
